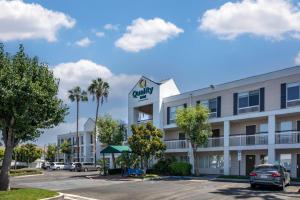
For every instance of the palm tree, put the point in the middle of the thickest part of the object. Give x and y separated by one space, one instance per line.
99 89
76 94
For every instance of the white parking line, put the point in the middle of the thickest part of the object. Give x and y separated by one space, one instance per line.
76 197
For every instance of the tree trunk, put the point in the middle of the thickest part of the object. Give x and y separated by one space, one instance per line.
77 131
95 134
4 175
113 160
195 162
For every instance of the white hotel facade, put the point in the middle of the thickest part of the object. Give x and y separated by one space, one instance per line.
254 120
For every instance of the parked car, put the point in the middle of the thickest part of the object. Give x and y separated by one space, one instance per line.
73 166
86 166
45 165
268 174
58 166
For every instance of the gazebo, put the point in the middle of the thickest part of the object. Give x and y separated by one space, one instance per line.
114 149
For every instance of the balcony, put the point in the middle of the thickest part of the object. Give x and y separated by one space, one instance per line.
248 140
214 142
289 137
145 121
176 144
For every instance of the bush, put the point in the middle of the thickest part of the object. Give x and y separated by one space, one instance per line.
114 171
25 171
180 169
163 166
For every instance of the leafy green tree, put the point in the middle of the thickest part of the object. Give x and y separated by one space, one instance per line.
110 132
1 154
146 142
77 95
28 153
66 149
51 152
28 103
128 160
193 121
99 89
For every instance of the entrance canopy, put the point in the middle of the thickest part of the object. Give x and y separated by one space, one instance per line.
116 149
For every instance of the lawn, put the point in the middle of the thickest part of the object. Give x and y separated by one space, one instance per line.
23 172
26 194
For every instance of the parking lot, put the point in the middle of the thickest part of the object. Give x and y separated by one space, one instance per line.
76 183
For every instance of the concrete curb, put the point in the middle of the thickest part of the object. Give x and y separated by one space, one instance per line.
27 175
60 196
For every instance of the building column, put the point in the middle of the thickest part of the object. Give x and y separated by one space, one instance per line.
226 147
271 139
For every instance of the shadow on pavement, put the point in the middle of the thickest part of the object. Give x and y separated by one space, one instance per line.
265 193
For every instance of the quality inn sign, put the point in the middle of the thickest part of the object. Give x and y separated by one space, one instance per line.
144 91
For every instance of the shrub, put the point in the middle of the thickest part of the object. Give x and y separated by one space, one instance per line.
180 169
114 171
163 166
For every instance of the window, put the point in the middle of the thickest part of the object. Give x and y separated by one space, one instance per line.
286 126
212 161
263 128
173 113
181 136
211 104
81 138
263 159
293 91
248 99
286 160
91 138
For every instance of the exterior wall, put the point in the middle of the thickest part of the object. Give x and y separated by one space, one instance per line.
239 128
293 118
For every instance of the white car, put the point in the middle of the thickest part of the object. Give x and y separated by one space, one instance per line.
58 166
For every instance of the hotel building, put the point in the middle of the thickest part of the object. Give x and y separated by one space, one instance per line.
254 120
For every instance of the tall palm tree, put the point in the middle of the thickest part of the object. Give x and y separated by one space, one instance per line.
99 89
76 94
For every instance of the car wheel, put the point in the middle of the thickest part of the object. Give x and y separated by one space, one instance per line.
253 186
282 187
85 169
57 168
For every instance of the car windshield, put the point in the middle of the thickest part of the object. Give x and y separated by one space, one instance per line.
267 168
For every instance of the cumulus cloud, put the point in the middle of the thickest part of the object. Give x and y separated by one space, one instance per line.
273 19
83 71
50 135
100 34
111 27
145 34
20 20
297 59
84 42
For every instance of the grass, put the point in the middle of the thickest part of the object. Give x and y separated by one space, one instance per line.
23 172
233 177
26 194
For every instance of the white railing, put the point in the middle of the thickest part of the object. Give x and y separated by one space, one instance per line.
290 137
247 140
176 144
214 142
145 121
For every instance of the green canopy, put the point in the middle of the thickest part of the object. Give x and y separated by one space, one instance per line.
116 149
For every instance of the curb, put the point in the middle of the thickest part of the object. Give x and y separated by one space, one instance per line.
231 180
60 196
27 175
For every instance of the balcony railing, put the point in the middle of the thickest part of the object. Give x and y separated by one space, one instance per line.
247 140
290 137
214 142
144 121
176 144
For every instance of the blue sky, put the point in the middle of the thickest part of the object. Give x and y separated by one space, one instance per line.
197 43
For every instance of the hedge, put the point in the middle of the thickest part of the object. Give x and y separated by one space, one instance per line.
180 169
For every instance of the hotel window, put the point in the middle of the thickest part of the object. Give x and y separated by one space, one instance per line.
212 105
293 94
172 113
81 139
248 101
91 138
286 160
212 161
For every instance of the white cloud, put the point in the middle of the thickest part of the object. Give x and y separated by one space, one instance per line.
19 20
274 19
84 42
112 27
297 59
50 135
100 34
145 34
82 72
